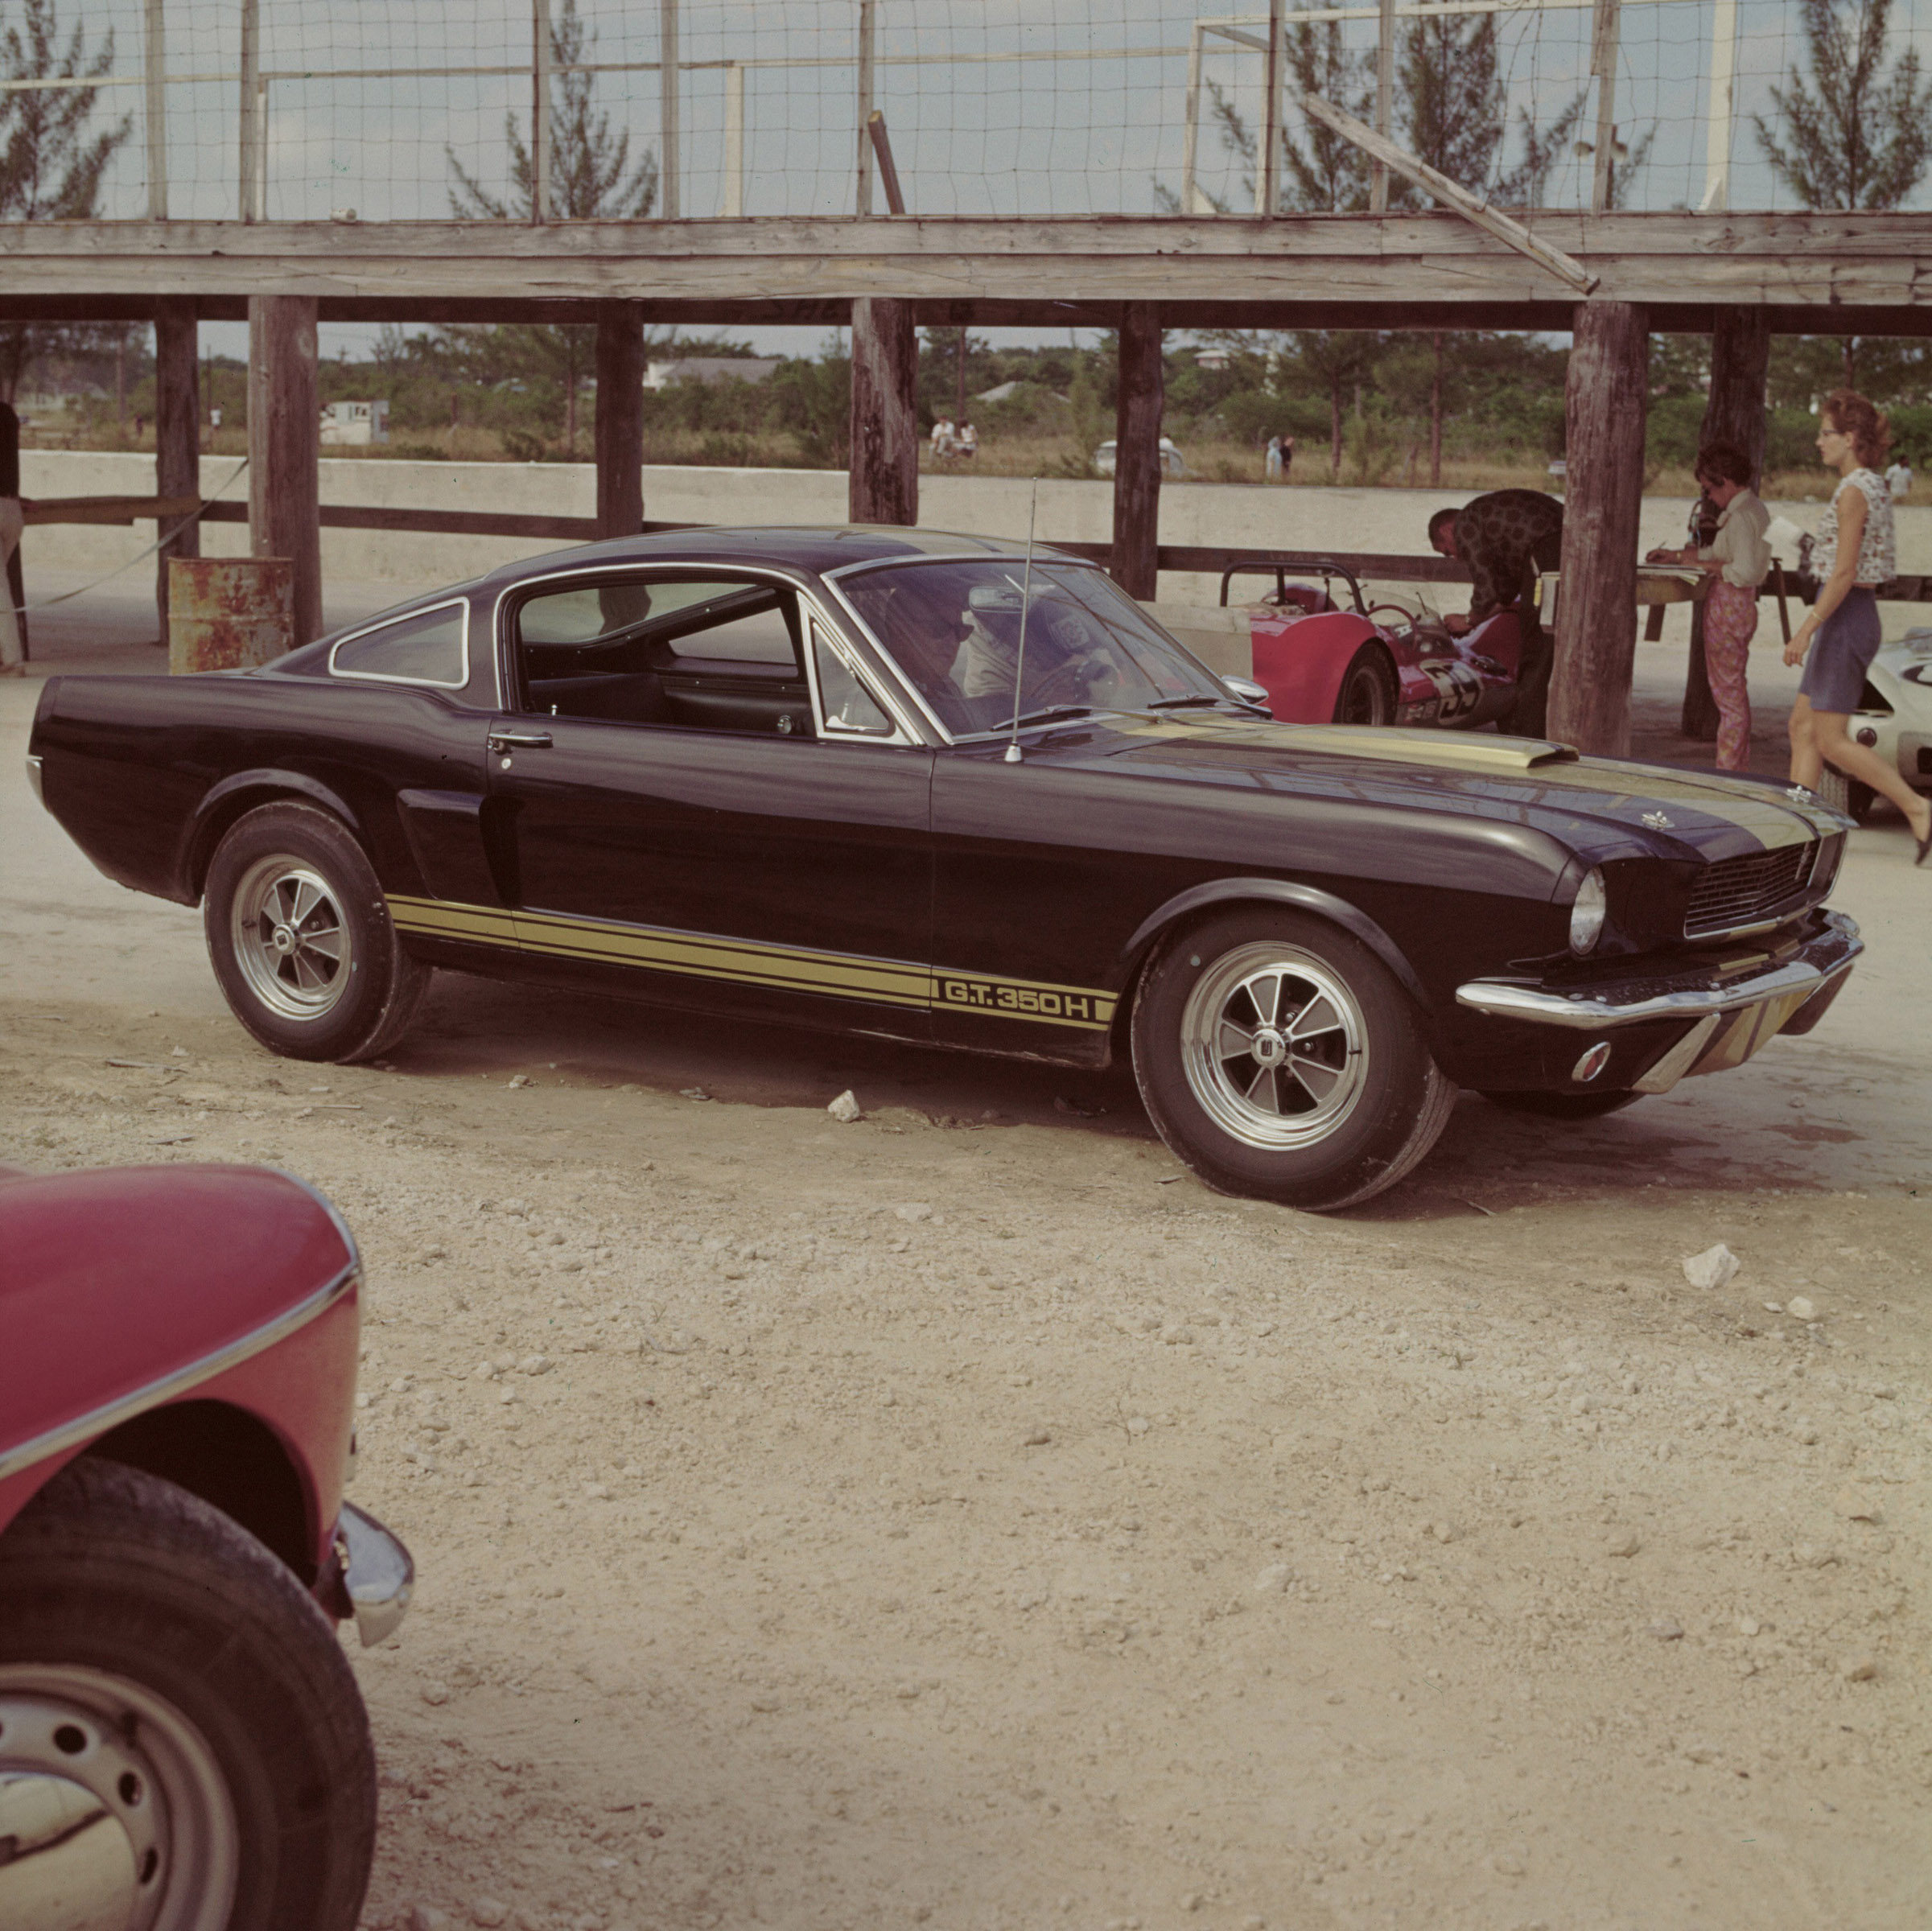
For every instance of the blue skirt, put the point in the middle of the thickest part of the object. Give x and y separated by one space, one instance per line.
1842 653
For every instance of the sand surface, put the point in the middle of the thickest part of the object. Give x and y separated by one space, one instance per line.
962 1519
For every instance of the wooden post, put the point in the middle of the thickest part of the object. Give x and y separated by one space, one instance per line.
1603 404
177 431
1741 366
250 177
620 435
669 140
733 198
1268 170
1385 103
1137 452
542 48
1603 27
155 74
868 48
884 479
285 447
10 487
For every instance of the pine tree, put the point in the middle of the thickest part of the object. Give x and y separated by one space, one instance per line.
1854 137
1452 113
51 164
1324 172
590 176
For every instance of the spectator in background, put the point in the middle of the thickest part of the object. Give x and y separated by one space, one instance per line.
1740 558
1287 456
1841 633
1898 478
968 440
1272 466
943 434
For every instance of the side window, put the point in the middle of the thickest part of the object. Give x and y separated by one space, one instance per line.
696 653
427 647
849 708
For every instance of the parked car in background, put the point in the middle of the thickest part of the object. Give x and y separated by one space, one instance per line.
183 1747
1172 462
920 786
1893 719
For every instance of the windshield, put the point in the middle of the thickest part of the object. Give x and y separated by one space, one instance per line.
954 626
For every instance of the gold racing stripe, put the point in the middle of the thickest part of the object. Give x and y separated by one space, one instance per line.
1773 823
749 962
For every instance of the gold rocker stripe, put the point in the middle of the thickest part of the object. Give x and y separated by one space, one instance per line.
748 962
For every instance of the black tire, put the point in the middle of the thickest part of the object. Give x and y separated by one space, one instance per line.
1564 1106
307 1002
1847 795
1322 1129
1368 692
136 1604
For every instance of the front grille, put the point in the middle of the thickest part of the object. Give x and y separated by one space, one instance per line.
1740 891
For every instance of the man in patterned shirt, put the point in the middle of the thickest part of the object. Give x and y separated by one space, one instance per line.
1506 537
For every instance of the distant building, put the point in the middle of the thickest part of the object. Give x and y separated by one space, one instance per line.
709 368
355 424
1215 359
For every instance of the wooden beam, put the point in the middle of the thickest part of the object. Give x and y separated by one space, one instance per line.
619 437
1451 194
1137 452
1604 407
284 447
177 435
1822 265
1735 412
883 483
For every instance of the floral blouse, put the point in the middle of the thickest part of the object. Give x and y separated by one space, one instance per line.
1878 552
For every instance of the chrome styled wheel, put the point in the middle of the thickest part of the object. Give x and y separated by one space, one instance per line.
113 1806
290 939
1275 1047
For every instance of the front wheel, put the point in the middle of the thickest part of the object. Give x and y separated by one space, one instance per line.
301 940
1278 1057
182 1744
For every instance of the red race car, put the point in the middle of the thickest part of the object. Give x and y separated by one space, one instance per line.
183 1747
1376 664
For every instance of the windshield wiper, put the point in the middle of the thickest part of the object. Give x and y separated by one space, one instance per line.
1176 703
1044 717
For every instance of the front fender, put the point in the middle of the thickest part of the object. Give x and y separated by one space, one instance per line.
1276 892
225 802
1300 661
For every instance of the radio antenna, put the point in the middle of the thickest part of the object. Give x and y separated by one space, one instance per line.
1014 754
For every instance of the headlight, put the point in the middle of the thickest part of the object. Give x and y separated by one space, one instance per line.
1587 914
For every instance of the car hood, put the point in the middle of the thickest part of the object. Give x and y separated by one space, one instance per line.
1602 808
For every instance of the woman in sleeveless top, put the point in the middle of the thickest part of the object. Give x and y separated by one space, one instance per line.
1837 640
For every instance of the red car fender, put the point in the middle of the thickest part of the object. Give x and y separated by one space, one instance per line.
127 1292
1300 662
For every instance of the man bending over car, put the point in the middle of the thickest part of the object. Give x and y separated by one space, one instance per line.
1507 538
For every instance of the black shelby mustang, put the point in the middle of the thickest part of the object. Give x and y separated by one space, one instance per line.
895 782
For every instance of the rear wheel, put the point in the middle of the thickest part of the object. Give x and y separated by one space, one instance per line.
1564 1106
1278 1057
301 940
1368 692
181 1739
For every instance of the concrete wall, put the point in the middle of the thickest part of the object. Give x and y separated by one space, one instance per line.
1238 515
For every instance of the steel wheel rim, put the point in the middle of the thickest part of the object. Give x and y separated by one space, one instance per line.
291 938
177 1810
1275 1046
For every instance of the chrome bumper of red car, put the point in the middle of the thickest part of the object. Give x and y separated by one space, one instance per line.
377 1574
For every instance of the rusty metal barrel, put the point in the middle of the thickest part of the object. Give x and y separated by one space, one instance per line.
229 613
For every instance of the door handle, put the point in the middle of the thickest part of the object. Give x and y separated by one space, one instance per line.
519 740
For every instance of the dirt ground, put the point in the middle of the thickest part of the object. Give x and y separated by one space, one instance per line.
962 1519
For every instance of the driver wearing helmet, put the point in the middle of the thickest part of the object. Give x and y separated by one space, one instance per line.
1064 657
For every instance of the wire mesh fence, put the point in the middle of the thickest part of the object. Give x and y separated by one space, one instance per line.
572 110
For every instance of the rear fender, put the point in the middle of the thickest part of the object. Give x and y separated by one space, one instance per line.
1300 661
232 798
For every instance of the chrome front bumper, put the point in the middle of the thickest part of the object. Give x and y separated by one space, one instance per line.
1732 1006
378 1574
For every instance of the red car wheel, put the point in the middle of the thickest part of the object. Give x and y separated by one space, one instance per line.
182 1743
1368 692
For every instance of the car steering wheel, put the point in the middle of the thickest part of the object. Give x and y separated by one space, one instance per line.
1408 616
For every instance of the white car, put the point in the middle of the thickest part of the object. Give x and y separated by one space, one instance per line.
1172 462
1893 719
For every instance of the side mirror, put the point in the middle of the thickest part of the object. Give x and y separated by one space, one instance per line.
1248 690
